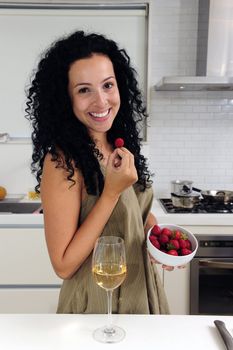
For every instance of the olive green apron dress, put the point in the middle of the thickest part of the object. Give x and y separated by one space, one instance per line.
141 292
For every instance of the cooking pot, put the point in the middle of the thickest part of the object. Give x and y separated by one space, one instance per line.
217 196
185 201
181 187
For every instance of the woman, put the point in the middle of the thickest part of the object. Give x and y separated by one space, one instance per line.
85 95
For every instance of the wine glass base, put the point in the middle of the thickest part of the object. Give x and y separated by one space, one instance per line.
106 335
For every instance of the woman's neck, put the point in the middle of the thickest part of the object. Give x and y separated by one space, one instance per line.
104 147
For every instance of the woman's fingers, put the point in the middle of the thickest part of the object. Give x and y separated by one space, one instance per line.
168 268
124 155
152 259
181 267
165 267
120 171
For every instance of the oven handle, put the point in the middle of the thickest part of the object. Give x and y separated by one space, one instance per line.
216 264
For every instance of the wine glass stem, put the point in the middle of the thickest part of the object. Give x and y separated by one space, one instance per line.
109 295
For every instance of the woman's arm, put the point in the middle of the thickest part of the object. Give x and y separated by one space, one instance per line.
68 245
150 221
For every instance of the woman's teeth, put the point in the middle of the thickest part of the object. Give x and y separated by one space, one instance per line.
100 115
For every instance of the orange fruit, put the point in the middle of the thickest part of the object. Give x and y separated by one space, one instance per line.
2 192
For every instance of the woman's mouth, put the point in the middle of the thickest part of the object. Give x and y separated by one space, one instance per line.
100 116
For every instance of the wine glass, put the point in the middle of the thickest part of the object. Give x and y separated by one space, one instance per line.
109 271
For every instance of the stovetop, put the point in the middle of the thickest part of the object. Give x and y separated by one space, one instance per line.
203 207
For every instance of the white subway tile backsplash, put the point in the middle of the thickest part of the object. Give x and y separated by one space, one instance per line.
199 109
215 108
190 132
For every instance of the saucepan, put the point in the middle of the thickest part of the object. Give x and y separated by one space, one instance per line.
216 196
181 187
186 201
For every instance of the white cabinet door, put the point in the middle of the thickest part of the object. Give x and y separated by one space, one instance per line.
28 300
176 284
24 258
28 283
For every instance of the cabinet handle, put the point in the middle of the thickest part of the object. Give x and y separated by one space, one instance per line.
216 264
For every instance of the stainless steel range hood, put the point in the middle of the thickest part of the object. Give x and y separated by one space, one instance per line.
185 83
214 60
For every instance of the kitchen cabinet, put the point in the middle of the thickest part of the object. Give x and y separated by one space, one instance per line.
176 285
21 300
27 280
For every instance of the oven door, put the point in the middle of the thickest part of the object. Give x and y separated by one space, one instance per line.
211 286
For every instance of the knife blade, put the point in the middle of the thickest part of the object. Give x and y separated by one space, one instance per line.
226 336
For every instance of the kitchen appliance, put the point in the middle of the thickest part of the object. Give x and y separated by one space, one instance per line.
221 196
214 65
203 206
180 187
211 276
185 200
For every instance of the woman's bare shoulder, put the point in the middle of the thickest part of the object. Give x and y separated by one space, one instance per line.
55 172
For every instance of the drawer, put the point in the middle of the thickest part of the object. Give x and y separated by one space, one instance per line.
28 300
24 258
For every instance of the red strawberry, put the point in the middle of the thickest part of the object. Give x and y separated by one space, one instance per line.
172 252
163 239
188 244
182 243
185 251
119 142
155 242
173 244
166 231
156 230
176 234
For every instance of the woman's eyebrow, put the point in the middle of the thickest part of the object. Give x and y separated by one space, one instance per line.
111 77
83 83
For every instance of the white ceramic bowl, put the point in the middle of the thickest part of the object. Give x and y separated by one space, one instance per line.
168 259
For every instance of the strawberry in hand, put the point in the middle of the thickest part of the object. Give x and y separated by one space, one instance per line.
119 142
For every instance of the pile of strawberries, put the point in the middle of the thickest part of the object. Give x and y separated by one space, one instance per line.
173 242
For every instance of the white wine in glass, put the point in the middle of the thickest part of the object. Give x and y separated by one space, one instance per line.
109 271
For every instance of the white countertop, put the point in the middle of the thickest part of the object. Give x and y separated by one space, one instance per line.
223 220
21 220
67 332
195 219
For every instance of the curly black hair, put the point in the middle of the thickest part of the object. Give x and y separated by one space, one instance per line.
55 128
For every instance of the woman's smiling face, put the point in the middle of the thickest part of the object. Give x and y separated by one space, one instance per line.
94 92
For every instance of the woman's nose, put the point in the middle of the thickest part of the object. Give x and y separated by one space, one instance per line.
100 99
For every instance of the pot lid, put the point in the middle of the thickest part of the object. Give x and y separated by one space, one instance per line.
187 195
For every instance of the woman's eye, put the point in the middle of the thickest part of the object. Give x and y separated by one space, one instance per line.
83 90
108 85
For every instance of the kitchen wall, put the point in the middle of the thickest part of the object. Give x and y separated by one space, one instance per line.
189 133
